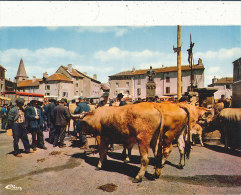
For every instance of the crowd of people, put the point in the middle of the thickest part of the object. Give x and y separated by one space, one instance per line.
54 117
37 117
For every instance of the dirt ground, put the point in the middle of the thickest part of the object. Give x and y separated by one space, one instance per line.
70 170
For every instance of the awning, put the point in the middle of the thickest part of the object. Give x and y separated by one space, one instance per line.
5 98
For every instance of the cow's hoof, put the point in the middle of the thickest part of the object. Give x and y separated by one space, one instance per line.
155 176
126 161
137 180
180 166
97 168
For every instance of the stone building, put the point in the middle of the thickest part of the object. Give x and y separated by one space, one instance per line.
67 83
236 95
133 83
83 85
2 78
223 85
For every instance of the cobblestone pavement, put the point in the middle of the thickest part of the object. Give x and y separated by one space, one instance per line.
70 171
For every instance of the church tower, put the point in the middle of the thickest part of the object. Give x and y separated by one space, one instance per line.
21 74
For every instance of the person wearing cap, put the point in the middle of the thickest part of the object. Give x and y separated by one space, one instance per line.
82 107
35 120
4 116
61 118
16 120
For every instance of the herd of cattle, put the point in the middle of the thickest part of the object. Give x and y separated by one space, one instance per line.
155 126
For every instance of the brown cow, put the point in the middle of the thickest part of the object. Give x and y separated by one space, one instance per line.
127 125
196 130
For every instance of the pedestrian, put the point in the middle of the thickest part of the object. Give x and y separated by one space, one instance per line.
45 115
16 120
35 120
4 116
50 120
82 107
61 118
121 100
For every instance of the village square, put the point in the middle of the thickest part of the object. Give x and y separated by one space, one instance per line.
114 116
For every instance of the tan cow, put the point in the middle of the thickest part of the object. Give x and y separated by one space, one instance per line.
127 125
196 130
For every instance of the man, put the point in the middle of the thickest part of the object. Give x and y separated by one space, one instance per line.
61 118
82 107
16 120
35 120
121 100
50 120
4 116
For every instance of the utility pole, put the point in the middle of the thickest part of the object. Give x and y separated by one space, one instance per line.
179 68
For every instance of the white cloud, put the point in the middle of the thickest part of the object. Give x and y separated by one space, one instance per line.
223 53
37 61
213 69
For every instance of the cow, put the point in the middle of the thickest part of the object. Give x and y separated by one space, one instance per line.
141 123
196 130
127 125
230 126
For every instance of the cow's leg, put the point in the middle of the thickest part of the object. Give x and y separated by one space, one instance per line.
200 138
128 157
103 149
181 147
144 152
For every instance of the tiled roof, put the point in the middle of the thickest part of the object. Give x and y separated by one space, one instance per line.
2 67
73 73
28 83
104 86
58 77
225 80
157 70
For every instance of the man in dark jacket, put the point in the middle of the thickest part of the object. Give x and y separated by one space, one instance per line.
50 120
16 120
35 119
82 107
61 118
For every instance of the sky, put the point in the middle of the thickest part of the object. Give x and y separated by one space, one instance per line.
107 50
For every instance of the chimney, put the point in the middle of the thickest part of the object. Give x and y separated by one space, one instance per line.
34 78
45 75
95 76
214 80
163 66
200 61
70 67
133 69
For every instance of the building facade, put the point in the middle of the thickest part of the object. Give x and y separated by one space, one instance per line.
67 83
236 93
223 85
2 78
132 83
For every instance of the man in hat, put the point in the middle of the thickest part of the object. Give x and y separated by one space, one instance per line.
4 116
35 120
82 107
16 120
61 118
120 99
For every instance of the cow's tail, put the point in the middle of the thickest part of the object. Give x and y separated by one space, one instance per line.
159 144
187 141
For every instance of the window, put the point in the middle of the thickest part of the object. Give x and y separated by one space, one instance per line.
117 84
168 79
76 85
138 81
127 84
47 94
167 90
47 87
139 91
228 87
127 92
65 94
